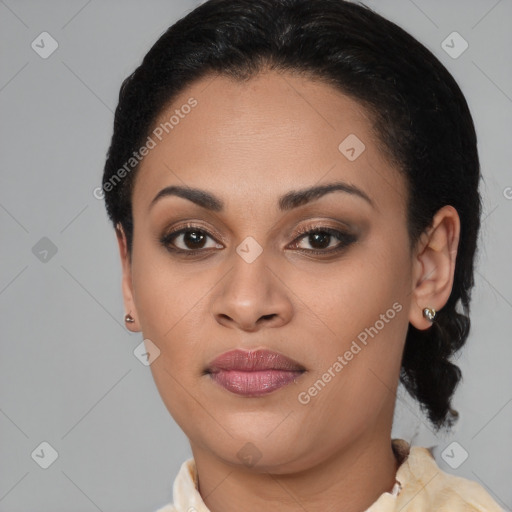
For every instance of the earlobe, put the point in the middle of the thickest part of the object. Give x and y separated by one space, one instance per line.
131 317
434 267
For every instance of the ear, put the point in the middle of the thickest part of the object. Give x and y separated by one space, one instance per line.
434 265
127 288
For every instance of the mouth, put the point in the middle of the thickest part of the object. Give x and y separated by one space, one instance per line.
253 373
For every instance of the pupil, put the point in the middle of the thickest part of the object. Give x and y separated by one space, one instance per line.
192 236
322 237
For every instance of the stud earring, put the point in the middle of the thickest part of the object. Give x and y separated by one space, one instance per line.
429 313
128 318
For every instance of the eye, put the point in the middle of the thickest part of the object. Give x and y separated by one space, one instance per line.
189 239
322 238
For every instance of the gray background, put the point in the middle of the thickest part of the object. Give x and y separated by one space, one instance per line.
68 375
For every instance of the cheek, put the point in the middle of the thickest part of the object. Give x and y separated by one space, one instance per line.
162 293
357 309
168 303
346 296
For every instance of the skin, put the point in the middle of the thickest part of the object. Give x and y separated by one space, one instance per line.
248 143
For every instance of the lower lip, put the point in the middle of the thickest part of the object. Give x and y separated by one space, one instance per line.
254 383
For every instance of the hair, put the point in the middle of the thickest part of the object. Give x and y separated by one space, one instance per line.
419 114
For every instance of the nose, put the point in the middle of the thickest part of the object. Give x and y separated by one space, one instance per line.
252 296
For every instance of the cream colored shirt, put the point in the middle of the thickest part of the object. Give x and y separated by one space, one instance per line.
421 486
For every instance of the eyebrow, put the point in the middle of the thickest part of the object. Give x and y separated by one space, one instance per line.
288 201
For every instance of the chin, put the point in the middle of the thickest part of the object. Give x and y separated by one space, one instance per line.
262 453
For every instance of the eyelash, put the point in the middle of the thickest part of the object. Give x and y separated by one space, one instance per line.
345 239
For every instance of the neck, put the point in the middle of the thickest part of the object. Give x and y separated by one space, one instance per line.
350 479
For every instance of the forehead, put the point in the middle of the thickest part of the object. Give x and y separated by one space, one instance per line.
274 132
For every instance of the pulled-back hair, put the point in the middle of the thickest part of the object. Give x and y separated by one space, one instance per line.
419 114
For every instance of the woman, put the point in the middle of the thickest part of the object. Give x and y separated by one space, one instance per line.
294 188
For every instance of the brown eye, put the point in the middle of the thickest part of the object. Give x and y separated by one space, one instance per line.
324 240
320 239
189 239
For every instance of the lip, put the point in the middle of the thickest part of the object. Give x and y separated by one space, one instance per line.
253 373
253 360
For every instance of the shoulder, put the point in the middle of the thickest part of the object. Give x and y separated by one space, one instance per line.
427 487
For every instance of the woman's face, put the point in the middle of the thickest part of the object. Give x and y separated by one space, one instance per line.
252 279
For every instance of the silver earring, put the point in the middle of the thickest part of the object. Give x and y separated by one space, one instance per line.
128 318
429 313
